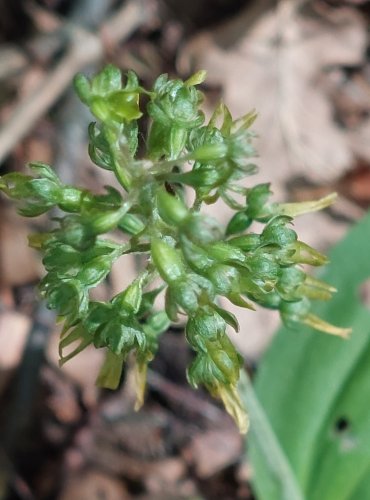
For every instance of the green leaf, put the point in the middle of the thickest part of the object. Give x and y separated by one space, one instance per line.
281 477
315 389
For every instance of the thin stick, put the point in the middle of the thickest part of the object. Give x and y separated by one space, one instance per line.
85 49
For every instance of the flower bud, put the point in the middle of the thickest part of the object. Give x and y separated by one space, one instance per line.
210 152
238 223
276 232
82 87
204 177
131 224
205 324
171 209
167 260
75 233
106 221
263 267
258 207
224 278
202 229
71 199
95 271
294 312
290 279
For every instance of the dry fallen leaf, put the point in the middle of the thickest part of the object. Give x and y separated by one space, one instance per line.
214 450
94 485
279 67
14 329
19 264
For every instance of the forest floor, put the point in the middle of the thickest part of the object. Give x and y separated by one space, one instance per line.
305 67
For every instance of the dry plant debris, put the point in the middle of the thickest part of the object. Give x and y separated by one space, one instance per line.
281 67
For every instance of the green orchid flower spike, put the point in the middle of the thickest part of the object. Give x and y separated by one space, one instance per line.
196 258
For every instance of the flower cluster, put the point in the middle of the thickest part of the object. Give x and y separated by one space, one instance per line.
197 259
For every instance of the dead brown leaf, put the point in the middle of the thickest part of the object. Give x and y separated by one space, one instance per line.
19 264
214 450
94 485
279 67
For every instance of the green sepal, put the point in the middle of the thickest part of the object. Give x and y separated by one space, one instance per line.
130 299
78 334
148 299
239 301
305 254
246 121
110 372
228 317
196 78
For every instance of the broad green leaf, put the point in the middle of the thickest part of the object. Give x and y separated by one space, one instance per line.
315 390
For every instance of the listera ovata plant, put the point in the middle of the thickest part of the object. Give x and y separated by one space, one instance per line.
195 257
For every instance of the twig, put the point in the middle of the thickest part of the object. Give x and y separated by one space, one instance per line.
86 48
184 398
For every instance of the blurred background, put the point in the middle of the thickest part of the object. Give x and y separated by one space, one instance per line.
304 65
